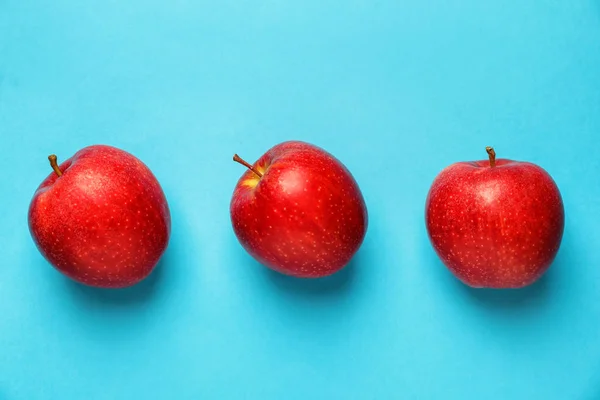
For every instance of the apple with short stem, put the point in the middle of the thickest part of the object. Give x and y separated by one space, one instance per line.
299 211
101 218
495 223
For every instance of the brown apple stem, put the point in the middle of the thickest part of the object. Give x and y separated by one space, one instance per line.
238 159
492 155
54 164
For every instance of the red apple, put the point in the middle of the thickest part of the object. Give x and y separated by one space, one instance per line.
101 218
495 223
299 211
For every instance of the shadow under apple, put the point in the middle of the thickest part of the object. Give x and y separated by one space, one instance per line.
125 297
333 285
537 294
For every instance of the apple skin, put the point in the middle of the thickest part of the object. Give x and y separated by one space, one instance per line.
306 217
105 222
495 227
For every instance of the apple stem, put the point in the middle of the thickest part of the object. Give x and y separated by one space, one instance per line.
238 159
54 164
492 155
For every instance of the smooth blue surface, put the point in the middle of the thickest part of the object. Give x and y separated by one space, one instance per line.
395 89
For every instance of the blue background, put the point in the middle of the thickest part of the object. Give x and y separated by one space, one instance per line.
397 90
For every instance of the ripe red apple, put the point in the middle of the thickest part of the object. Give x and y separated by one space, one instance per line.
299 211
101 218
495 223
